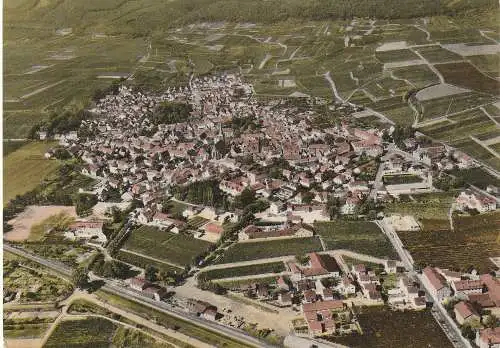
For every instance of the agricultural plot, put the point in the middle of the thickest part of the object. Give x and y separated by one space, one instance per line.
418 75
178 249
274 267
477 177
434 205
25 167
466 75
472 242
274 248
395 109
448 105
438 54
472 148
464 124
91 332
488 64
383 328
359 236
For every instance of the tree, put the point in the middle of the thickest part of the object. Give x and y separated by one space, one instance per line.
84 203
79 277
151 273
246 198
302 259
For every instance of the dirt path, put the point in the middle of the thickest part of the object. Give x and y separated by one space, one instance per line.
434 70
252 262
23 342
491 117
40 90
152 258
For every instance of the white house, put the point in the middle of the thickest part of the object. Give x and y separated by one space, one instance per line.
86 230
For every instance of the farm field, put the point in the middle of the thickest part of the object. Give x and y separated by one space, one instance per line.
471 244
383 328
466 75
359 236
274 248
94 332
274 267
25 167
178 249
424 206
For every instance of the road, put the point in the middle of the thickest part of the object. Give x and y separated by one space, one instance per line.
119 289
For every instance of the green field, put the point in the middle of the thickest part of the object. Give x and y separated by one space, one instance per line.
384 328
178 249
474 240
91 332
434 205
273 248
359 236
477 177
275 267
25 167
25 330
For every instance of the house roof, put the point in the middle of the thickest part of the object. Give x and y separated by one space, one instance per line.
462 285
214 228
491 336
436 280
464 309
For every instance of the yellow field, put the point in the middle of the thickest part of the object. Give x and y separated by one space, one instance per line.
24 168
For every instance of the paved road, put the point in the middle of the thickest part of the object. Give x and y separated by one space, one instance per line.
119 289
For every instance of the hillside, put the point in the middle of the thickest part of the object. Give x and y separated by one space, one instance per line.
141 17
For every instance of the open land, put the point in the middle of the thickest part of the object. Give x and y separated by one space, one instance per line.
25 167
33 215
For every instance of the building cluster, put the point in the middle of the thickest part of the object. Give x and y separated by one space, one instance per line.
476 297
272 148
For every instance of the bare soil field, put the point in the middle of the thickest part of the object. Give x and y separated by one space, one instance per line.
23 343
31 216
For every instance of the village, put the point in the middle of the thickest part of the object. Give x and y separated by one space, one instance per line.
266 169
